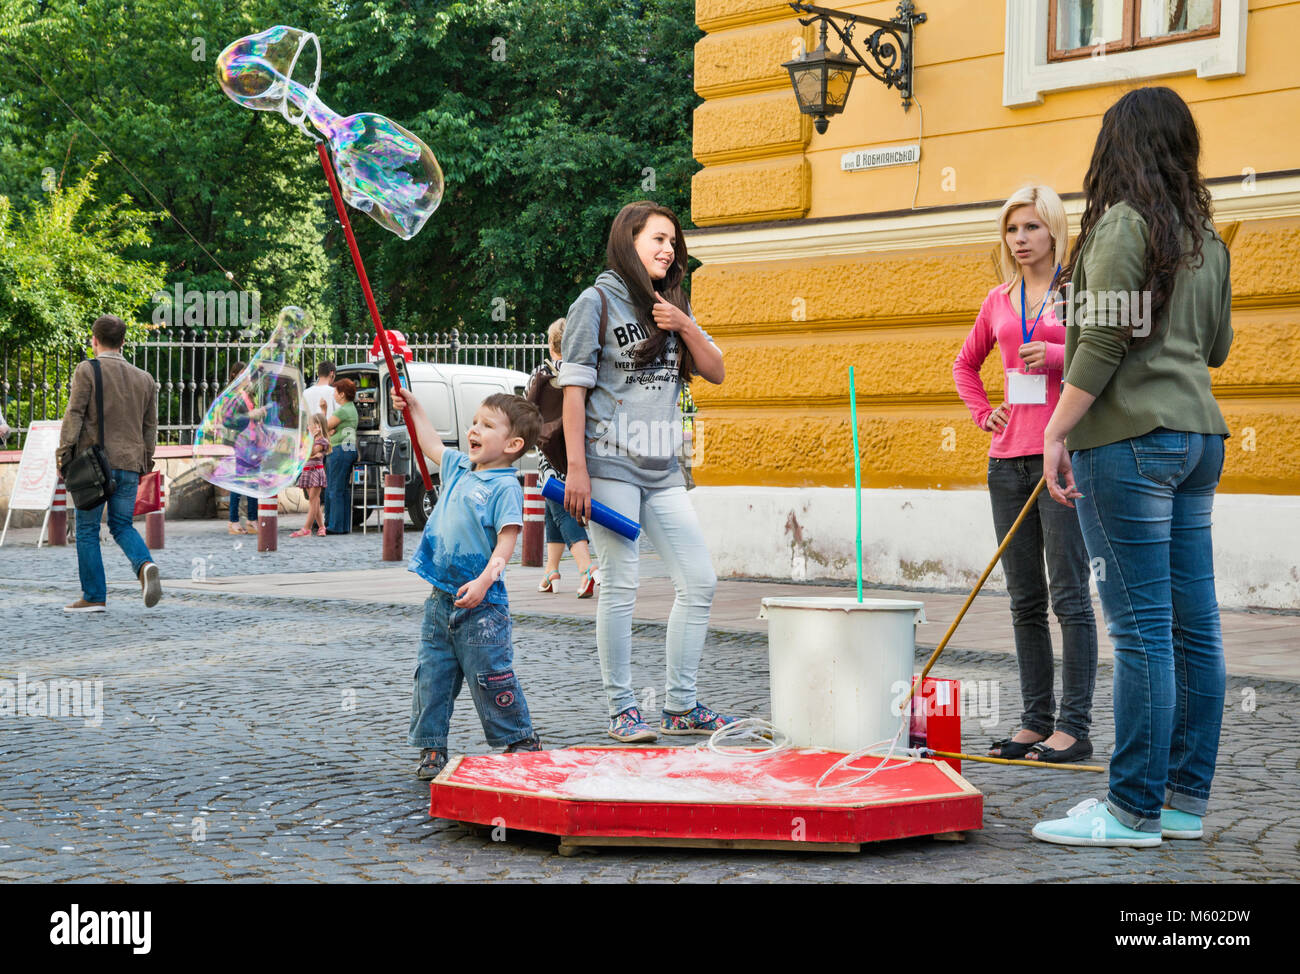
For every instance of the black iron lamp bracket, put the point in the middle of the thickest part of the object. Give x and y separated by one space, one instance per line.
890 44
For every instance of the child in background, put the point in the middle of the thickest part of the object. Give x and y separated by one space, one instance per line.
312 479
466 546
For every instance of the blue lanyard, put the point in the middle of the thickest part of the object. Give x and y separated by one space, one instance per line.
1025 332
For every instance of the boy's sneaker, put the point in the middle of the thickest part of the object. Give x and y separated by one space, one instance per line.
533 743
1180 825
629 728
432 761
698 720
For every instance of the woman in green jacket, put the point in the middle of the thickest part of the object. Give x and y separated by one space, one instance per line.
1149 315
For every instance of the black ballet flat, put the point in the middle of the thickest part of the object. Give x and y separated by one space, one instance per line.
1068 755
1010 750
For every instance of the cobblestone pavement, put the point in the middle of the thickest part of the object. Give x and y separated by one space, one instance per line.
249 738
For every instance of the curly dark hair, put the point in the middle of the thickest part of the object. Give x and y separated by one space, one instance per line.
1147 155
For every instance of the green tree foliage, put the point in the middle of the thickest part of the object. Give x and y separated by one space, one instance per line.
62 265
141 78
546 115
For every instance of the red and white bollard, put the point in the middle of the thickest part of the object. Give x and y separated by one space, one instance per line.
534 521
58 529
394 515
154 534
268 522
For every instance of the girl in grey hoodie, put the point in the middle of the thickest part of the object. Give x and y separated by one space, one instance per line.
623 430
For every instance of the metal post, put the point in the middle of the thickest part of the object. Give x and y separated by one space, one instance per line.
394 515
58 523
534 518
268 522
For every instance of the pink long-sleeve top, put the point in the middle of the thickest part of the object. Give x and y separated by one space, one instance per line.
999 322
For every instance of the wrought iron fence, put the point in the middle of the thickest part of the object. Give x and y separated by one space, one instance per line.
192 366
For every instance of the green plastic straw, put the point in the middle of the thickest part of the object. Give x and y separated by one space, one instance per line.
857 474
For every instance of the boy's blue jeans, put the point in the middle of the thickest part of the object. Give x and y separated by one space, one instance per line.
466 644
1145 515
121 508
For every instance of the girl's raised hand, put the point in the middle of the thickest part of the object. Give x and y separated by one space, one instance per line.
668 316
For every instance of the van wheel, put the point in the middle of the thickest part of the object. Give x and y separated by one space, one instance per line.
419 502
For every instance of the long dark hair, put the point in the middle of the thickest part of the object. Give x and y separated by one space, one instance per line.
1147 155
621 257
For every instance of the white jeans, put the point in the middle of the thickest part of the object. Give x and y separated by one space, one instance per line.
668 519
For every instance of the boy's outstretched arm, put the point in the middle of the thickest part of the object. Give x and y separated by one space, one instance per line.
430 442
471 593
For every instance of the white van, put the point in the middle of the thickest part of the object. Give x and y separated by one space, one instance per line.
450 395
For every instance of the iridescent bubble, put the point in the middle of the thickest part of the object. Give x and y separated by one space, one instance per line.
254 438
383 169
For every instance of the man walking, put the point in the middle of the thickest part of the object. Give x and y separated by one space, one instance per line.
130 435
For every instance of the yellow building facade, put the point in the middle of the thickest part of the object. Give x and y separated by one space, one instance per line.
809 267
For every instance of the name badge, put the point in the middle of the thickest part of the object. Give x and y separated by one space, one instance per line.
1026 388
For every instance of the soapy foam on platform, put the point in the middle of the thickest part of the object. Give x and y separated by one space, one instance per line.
680 775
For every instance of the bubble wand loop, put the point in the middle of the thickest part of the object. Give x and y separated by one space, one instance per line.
325 163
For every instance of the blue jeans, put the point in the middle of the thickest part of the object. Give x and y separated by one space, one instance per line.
460 644
1145 514
234 507
668 519
338 490
121 508
561 528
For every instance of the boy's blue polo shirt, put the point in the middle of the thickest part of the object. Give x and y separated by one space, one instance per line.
462 531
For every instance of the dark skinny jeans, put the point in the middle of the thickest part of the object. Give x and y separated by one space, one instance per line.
1053 534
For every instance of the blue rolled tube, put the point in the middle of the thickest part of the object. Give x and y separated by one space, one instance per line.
606 517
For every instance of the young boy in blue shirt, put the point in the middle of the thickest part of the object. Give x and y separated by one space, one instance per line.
466 545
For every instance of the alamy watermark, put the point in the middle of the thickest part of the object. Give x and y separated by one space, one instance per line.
1115 309
53 698
206 309
660 439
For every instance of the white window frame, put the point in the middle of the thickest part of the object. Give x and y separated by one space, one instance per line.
1027 75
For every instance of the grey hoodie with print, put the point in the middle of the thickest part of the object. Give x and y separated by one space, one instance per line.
634 424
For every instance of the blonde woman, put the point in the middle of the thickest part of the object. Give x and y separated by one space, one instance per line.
1017 316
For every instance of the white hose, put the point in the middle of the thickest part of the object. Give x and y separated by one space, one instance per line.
752 737
846 762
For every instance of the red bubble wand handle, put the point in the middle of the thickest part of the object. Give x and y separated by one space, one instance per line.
370 303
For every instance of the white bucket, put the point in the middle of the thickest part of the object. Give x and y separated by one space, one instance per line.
838 667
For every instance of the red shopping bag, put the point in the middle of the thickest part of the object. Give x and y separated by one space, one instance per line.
148 496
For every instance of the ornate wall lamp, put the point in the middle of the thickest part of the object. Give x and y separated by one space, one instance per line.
822 79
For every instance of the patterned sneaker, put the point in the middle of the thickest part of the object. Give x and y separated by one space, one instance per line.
698 720
629 728
432 761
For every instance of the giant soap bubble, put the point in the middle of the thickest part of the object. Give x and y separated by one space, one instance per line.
383 169
254 438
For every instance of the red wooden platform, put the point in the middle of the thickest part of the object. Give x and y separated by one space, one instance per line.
692 797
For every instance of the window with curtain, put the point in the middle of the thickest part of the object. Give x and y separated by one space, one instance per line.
1083 28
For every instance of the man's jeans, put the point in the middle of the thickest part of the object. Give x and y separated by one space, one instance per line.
466 644
668 519
338 490
1145 513
1051 530
121 508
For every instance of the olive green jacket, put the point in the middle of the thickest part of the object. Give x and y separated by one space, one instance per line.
1164 380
